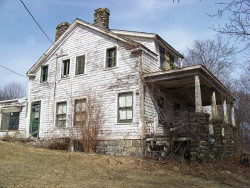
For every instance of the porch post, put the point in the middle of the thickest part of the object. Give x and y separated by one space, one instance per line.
232 116
214 107
198 102
225 111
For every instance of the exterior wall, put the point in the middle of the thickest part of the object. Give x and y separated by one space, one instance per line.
104 83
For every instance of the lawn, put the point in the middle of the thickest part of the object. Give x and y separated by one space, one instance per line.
27 166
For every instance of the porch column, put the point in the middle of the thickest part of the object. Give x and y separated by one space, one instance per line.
214 107
225 119
198 102
232 116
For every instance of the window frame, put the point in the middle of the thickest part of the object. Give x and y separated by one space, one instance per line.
67 62
126 107
42 73
57 115
75 113
76 64
107 57
162 56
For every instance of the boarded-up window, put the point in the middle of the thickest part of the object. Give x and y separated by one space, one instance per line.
125 107
80 62
44 73
111 57
61 111
162 57
79 115
65 68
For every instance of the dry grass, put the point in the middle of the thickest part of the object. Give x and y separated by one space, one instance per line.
25 166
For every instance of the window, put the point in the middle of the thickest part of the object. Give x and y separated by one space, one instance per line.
44 73
161 110
79 115
61 110
80 62
171 59
125 107
65 68
10 121
111 57
162 57
177 109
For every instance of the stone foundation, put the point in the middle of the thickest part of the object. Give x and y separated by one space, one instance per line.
134 148
199 133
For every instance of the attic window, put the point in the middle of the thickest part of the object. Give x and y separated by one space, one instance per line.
65 68
80 62
111 57
44 73
162 58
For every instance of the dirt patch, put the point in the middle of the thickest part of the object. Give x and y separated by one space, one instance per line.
26 166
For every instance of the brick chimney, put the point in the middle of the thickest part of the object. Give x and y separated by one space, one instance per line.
101 17
60 29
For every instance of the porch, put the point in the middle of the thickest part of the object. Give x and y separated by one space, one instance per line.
197 108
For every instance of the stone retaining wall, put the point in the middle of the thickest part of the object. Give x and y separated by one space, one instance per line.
122 147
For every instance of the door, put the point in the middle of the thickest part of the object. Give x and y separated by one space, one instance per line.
35 118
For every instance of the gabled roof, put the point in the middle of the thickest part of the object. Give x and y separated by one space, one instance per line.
146 35
69 30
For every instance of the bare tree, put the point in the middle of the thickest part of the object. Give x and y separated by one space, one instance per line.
216 55
238 26
242 110
12 90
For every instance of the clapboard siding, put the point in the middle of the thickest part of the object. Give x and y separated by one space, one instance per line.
104 83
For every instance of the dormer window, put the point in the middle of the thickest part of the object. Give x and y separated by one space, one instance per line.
44 73
65 68
111 57
162 57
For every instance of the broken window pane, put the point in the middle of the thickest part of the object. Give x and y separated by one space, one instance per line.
65 67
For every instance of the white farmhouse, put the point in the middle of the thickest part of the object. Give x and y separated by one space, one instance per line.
136 78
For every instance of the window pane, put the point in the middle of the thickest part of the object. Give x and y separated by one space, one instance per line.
122 114
129 114
129 100
122 100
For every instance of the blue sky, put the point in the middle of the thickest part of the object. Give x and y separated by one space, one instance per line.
22 42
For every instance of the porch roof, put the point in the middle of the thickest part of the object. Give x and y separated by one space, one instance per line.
181 83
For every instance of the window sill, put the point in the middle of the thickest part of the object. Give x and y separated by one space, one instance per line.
128 123
44 83
65 78
79 75
110 68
